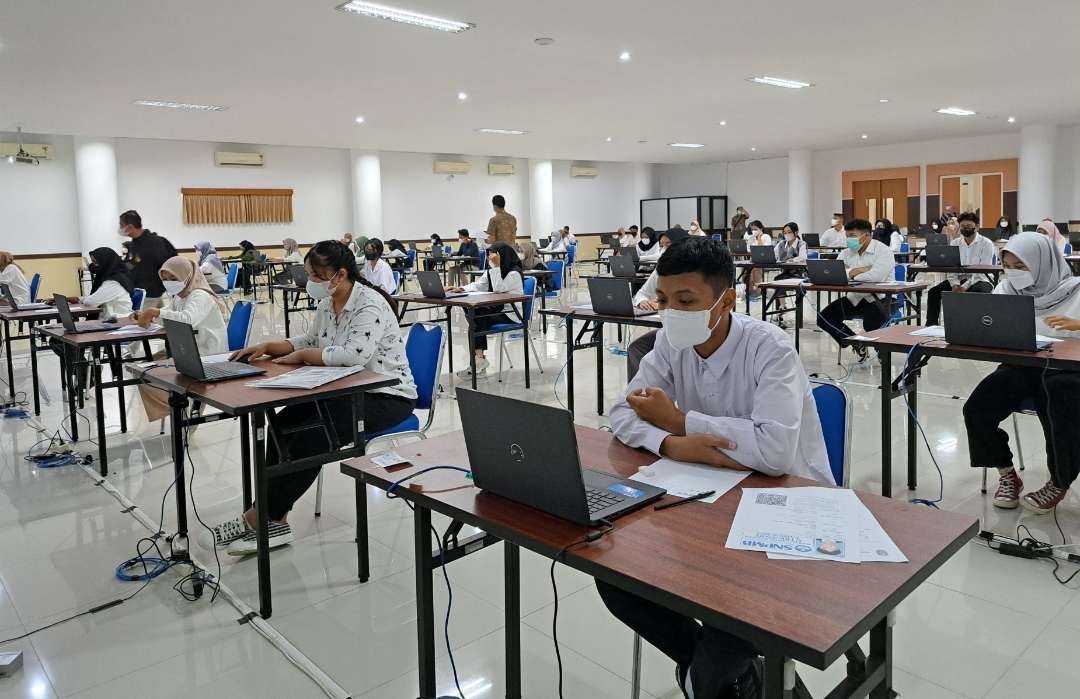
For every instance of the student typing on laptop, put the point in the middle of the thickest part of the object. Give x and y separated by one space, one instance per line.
1034 266
866 260
193 302
724 389
646 298
355 324
975 249
112 286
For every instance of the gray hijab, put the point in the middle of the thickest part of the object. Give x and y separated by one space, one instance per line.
1054 283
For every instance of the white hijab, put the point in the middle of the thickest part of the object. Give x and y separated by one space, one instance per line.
1054 282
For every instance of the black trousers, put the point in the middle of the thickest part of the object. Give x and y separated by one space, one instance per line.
933 298
831 318
484 319
381 412
679 637
1001 394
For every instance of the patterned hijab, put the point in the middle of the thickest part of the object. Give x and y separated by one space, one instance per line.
1054 282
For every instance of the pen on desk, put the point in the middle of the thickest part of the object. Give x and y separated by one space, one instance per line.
699 496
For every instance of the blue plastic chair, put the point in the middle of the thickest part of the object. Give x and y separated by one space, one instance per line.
410 258
503 328
571 255
447 249
556 267
899 274
1068 249
482 263
813 255
35 282
239 329
138 296
834 412
904 247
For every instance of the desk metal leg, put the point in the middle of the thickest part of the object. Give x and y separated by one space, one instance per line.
99 408
33 373
262 497
425 603
799 296
71 381
285 306
543 307
116 367
363 562
7 351
912 416
570 363
886 422
245 459
177 403
470 320
512 581
881 653
598 333
776 668
449 341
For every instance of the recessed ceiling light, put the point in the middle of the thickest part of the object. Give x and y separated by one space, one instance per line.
687 145
1012 120
884 100
504 132
624 56
182 105
864 136
753 149
395 14
723 123
608 139
779 82
956 111
543 41
359 120
462 96
642 141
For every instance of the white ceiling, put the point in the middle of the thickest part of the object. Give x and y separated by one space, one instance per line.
296 72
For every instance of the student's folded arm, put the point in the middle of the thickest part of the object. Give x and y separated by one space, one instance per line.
360 343
881 269
654 372
199 305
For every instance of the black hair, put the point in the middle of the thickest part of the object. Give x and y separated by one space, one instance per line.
327 255
508 258
108 265
709 258
758 223
649 230
858 224
463 232
633 228
566 228
969 216
131 217
883 234
375 243
436 239
793 226
498 201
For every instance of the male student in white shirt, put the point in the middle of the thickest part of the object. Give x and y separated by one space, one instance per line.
975 249
833 237
867 260
723 389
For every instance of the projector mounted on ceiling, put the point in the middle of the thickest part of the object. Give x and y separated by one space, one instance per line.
22 157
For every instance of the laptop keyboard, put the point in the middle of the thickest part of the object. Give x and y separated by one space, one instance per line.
601 499
223 369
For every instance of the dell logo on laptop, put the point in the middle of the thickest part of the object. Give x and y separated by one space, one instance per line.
987 320
517 453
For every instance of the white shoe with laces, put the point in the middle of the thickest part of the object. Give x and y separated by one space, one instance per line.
280 535
225 533
481 369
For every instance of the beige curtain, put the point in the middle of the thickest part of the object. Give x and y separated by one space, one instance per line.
218 206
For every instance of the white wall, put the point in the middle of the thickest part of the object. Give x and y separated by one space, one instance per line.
152 172
38 206
760 187
417 203
693 179
603 203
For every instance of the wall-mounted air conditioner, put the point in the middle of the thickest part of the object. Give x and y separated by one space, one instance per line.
241 159
500 169
583 171
41 151
445 167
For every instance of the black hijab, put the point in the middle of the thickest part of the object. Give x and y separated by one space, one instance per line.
653 239
108 265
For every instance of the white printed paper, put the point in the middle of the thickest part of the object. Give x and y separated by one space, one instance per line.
875 544
307 377
686 480
939 331
135 329
813 522
388 459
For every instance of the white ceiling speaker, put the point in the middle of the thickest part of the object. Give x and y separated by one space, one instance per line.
239 159
446 167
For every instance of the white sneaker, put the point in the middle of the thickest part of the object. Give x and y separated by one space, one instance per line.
280 535
224 534
481 369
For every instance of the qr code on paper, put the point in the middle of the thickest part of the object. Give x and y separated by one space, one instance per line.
771 499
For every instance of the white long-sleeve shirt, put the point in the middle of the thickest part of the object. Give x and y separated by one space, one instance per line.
647 292
878 257
380 275
753 390
650 255
201 311
13 277
112 298
752 239
627 240
214 275
791 252
832 238
980 251
1069 309
492 280
556 246
896 238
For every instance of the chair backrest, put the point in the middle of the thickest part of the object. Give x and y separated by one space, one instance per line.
904 247
834 412
424 348
900 273
447 249
483 260
137 297
1068 249
397 280
410 256
556 267
230 277
813 255
35 282
530 291
571 254
240 325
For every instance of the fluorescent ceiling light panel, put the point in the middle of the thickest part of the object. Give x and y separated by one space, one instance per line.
779 82
181 105
956 111
687 145
504 132
395 14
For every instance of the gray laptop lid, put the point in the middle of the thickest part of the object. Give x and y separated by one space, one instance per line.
623 266
827 272
612 296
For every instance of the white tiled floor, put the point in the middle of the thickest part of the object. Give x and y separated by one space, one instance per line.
983 626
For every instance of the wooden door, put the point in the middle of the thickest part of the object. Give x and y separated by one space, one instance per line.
867 196
991 201
894 201
950 193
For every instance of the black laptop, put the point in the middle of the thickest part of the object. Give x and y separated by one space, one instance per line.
829 272
998 321
942 256
528 453
612 296
936 239
432 288
298 275
737 247
623 266
68 321
10 298
763 254
812 240
188 360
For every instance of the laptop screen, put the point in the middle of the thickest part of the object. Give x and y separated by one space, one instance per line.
185 350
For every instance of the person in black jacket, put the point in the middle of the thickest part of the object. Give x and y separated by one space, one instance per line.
467 247
147 251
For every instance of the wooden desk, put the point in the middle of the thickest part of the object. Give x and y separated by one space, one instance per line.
73 350
991 272
917 352
814 612
254 407
32 318
469 304
285 290
594 321
885 289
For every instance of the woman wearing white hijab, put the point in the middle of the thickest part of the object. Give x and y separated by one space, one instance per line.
1033 267
1050 230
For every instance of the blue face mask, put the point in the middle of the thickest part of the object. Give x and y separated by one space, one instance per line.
853 244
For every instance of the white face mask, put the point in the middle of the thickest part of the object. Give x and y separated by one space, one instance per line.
789 237
836 222
645 241
1020 278
687 328
173 287
318 290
